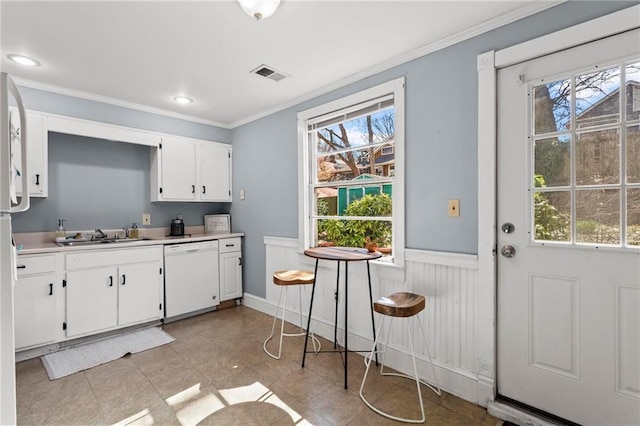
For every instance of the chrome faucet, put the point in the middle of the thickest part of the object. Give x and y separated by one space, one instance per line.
126 232
101 234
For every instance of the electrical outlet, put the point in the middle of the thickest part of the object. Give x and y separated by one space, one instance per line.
454 208
146 218
242 194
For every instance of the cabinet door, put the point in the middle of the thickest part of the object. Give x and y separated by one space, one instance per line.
36 155
35 309
230 276
92 300
214 164
139 293
178 169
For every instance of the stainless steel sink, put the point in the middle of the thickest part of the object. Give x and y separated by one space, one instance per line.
72 242
127 240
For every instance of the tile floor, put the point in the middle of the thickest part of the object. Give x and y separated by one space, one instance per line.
217 373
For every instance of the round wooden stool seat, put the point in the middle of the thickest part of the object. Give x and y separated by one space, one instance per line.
285 279
293 277
398 305
401 304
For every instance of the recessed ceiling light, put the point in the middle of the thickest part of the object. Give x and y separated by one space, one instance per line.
23 60
182 100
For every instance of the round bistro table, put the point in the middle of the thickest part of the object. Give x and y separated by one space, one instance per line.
346 255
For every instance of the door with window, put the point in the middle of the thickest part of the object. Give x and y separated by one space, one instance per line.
569 232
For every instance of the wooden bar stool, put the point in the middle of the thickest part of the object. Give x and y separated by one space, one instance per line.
400 305
285 279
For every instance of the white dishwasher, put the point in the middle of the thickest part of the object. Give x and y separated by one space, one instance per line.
191 278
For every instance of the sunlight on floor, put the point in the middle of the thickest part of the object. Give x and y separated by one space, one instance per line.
194 404
257 392
136 418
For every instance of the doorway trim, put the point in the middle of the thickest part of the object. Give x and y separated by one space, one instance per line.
488 65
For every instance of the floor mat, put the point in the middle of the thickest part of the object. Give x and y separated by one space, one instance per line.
88 355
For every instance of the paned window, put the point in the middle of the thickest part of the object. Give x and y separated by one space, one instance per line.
352 180
585 185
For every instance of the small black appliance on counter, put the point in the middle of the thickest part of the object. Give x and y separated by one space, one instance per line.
177 227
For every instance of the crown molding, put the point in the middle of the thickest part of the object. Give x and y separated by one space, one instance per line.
113 101
497 22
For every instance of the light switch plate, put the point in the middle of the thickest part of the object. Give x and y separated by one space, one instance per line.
146 218
454 208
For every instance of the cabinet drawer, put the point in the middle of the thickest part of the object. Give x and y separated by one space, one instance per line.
230 244
95 258
30 265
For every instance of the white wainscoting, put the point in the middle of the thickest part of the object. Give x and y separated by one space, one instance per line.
448 280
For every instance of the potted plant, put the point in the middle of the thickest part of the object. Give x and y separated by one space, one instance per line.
371 244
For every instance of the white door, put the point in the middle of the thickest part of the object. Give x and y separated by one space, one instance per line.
35 310
178 169
215 177
139 293
92 300
569 207
230 276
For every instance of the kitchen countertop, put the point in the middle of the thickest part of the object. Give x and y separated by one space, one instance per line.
33 246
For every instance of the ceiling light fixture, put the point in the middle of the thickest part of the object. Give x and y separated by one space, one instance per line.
23 60
259 9
183 100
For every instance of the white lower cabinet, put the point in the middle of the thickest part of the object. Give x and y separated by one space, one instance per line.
37 295
139 295
92 297
113 288
230 269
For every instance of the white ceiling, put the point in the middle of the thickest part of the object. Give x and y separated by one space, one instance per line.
145 52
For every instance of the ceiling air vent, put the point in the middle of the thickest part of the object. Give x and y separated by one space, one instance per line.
268 72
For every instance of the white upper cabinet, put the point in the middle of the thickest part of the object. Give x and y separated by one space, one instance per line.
214 164
191 170
178 171
37 144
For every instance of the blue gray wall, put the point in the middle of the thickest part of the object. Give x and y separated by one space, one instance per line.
441 145
95 183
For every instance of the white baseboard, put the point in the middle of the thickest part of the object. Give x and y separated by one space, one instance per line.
460 383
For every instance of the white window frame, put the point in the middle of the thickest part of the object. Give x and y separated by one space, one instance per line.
305 195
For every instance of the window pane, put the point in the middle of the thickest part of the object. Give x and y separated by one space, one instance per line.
598 157
353 233
356 164
374 128
633 217
633 91
598 216
553 161
362 145
598 98
552 107
374 201
633 154
326 201
552 215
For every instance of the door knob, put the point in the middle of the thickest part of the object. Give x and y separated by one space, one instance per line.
508 251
